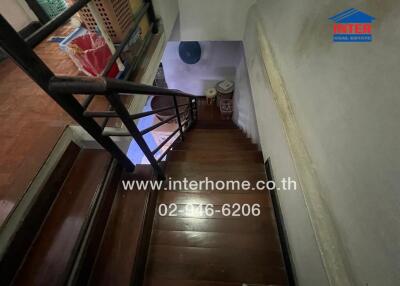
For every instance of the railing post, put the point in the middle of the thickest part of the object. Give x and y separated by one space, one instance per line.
178 117
191 111
195 105
37 70
152 16
38 10
119 107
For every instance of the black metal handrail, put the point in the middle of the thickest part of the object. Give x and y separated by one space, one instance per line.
104 85
55 23
112 89
64 89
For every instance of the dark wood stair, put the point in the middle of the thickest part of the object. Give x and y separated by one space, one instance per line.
55 245
84 229
196 249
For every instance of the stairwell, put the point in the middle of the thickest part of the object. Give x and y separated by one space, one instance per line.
87 230
197 249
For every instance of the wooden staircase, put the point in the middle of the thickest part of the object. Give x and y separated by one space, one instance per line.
193 249
84 229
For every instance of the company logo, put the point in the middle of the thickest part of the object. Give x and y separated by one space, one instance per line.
352 25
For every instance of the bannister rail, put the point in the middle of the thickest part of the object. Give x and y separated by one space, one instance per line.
53 24
104 85
112 89
63 89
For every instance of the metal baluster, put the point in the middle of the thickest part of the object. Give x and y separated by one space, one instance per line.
191 111
178 117
119 107
37 70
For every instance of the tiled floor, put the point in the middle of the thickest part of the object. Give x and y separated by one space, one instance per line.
31 123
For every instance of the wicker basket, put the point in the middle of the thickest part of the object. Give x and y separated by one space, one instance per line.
53 7
117 16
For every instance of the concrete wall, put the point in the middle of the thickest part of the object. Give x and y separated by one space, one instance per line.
211 20
17 13
219 61
344 99
243 107
168 11
304 250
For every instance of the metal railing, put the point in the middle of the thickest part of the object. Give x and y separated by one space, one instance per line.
64 89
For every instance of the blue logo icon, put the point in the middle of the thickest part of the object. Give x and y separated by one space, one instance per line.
352 25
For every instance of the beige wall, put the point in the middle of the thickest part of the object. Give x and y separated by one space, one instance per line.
17 13
213 20
304 250
168 11
344 97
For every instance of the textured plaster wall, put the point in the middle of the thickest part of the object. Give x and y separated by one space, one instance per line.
345 100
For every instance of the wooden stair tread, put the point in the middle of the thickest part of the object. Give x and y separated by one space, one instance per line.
246 167
218 272
249 225
163 282
117 252
215 256
48 261
194 249
262 241
204 139
199 131
215 134
221 175
35 215
252 225
215 156
212 124
231 146
214 197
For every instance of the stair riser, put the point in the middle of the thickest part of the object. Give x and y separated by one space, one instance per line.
181 156
216 141
206 167
28 230
217 147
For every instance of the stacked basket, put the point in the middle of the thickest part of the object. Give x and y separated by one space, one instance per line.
53 7
117 17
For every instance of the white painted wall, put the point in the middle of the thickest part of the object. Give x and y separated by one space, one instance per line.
345 99
213 20
168 11
219 61
17 13
304 250
243 107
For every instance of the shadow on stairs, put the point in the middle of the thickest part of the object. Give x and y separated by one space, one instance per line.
84 229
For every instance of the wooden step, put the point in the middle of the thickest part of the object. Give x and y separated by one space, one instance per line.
163 282
214 197
215 176
213 124
49 260
215 135
229 146
116 256
193 211
265 240
252 225
216 140
193 167
87 253
36 213
198 130
198 256
213 156
192 263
